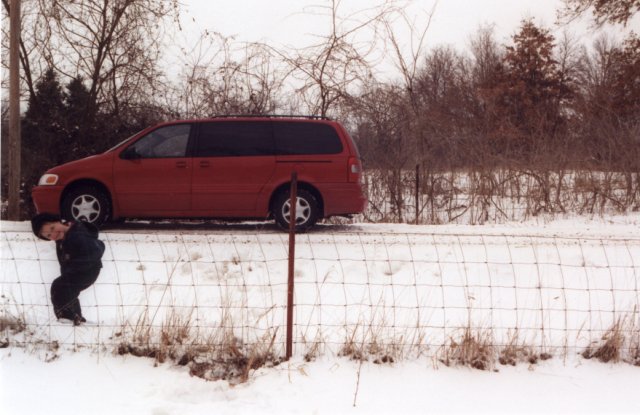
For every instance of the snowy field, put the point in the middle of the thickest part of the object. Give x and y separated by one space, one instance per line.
411 289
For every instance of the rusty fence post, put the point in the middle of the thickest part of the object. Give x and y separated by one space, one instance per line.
293 201
417 193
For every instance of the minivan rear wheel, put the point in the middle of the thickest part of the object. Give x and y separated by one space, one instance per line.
86 204
307 210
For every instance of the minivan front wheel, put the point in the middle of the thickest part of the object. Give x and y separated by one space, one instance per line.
86 204
307 210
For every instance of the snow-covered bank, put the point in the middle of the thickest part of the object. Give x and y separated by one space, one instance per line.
84 383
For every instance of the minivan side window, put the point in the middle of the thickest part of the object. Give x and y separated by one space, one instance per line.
298 138
235 138
169 141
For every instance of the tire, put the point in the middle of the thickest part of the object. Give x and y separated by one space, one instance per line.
307 210
87 204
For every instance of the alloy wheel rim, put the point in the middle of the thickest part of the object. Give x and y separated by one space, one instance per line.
85 208
303 211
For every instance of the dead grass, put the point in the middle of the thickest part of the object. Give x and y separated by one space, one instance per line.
610 347
370 348
10 326
11 323
218 356
313 348
621 342
516 351
634 349
233 360
474 348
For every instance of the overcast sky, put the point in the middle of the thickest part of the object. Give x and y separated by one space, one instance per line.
289 22
294 23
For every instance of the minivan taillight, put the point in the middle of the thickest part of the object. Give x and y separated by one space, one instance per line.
355 170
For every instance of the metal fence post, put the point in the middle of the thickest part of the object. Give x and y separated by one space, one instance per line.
292 253
417 193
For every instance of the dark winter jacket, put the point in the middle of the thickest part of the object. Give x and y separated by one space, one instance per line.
80 251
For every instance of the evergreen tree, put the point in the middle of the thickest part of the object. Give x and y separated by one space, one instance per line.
532 92
43 128
44 121
81 119
43 131
626 80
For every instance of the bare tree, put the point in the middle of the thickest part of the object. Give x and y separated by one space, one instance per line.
609 106
221 77
487 56
330 71
487 71
408 61
113 45
604 11
35 34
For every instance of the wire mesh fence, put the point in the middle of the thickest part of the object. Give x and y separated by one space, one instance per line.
495 195
407 292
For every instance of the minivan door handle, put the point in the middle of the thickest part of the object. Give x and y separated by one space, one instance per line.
181 164
204 163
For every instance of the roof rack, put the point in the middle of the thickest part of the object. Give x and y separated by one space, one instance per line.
309 117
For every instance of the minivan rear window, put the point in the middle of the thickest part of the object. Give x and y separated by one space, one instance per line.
234 138
297 138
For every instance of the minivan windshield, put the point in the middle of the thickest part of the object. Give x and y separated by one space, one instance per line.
122 142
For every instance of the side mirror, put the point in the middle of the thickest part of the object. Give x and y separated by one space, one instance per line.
130 153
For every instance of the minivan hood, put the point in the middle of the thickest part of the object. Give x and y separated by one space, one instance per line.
77 163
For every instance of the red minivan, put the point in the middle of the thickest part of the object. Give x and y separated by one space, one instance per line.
226 167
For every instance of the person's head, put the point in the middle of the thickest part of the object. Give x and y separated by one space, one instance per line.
49 227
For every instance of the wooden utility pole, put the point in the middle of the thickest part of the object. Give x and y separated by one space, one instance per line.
14 111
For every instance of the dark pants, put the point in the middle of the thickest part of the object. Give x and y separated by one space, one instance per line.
65 291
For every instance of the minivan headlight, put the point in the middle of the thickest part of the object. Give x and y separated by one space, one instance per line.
48 180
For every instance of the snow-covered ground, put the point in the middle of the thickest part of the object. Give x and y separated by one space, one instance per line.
85 383
161 269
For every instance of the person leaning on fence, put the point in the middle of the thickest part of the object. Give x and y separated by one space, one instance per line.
79 253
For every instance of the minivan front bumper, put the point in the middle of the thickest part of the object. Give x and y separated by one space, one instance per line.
47 198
